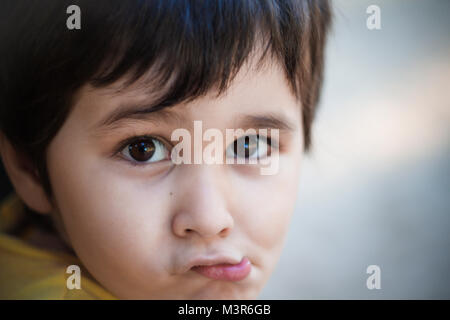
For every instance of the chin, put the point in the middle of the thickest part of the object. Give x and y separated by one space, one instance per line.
227 291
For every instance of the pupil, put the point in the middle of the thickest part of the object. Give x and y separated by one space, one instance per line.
142 150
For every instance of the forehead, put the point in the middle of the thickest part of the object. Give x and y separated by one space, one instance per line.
253 90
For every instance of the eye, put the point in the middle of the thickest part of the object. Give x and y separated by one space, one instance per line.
249 147
145 150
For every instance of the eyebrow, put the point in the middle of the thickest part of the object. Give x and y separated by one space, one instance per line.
149 112
266 120
157 112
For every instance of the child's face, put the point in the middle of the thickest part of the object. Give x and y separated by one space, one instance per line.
139 229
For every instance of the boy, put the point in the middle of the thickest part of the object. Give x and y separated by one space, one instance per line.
87 120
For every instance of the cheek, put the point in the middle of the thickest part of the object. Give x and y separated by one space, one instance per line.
265 204
110 219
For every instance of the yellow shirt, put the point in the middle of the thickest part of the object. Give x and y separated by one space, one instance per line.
29 272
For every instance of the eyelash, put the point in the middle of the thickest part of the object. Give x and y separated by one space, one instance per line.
169 146
134 138
268 141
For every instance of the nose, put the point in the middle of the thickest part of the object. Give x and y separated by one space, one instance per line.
201 208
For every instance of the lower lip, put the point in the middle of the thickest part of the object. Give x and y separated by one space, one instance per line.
227 272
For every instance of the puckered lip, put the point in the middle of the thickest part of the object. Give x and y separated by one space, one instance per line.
209 260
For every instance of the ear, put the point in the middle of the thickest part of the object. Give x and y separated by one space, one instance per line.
23 177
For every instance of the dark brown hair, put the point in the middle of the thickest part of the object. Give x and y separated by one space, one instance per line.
199 44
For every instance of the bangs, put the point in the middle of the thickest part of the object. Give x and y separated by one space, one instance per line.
193 47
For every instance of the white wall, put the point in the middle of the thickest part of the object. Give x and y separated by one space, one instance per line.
376 188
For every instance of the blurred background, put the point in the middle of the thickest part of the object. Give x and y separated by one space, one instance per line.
376 188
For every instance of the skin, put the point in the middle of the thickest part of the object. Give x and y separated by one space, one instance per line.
135 227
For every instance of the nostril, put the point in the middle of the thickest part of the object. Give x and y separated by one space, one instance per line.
188 230
224 232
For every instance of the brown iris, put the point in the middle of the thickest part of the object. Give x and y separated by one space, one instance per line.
246 146
142 150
